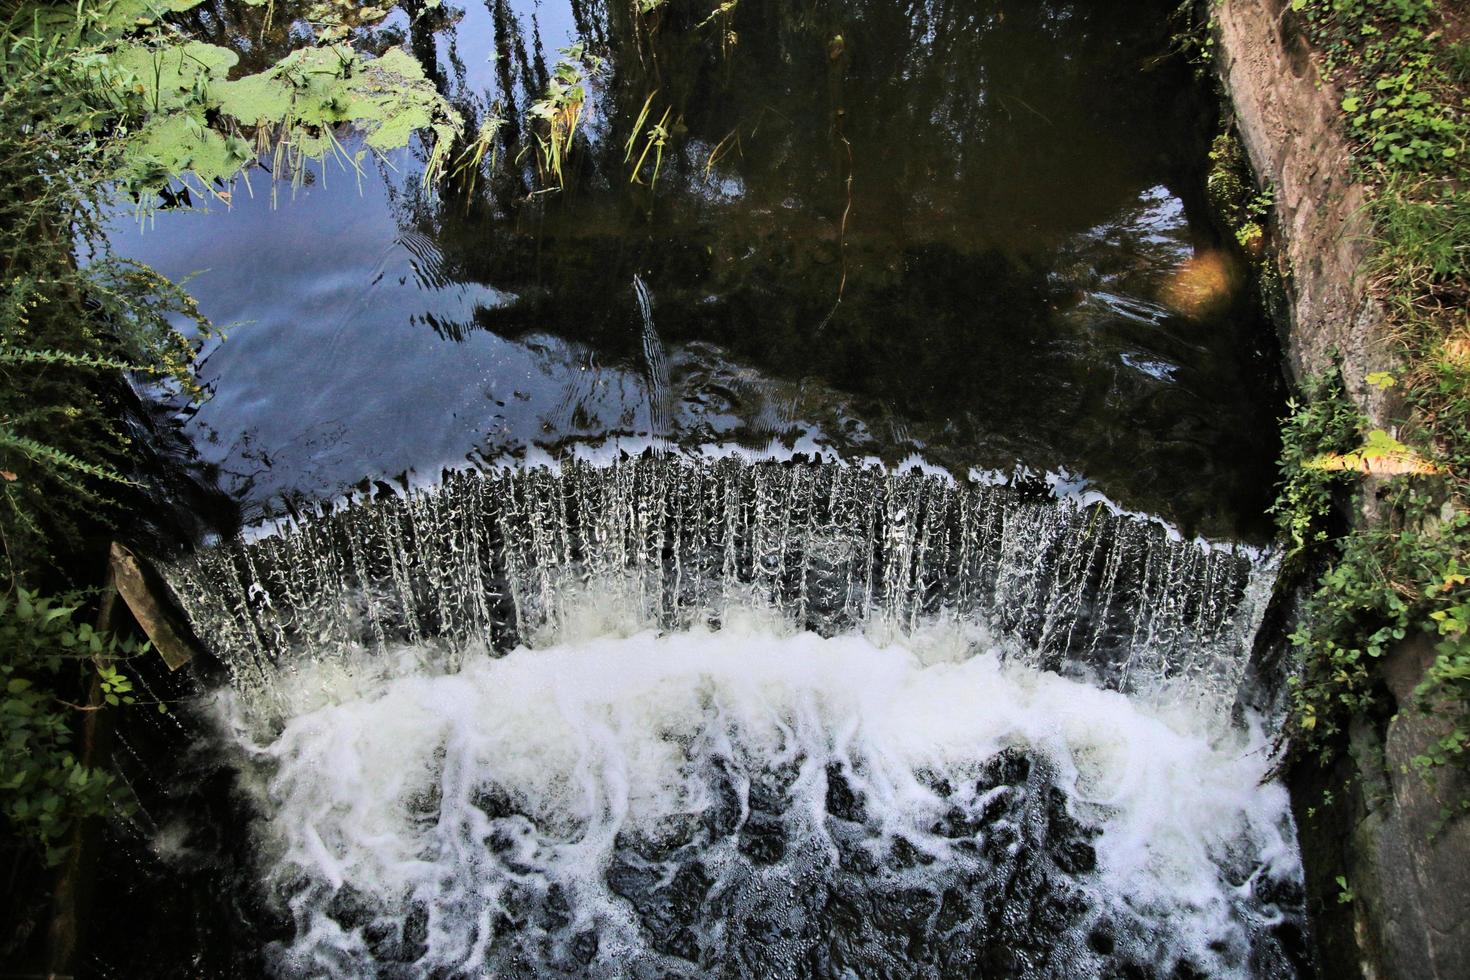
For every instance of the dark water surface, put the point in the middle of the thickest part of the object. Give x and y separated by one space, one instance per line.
972 232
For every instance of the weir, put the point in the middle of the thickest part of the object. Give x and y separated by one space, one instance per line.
680 717
495 559
690 714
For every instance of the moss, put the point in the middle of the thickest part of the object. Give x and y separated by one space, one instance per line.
1274 297
1229 183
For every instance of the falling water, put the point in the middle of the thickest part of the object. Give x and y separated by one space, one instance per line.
495 559
679 718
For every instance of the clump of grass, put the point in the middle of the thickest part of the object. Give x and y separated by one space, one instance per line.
471 161
1422 246
1457 62
1421 264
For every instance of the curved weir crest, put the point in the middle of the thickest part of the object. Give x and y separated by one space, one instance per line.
677 718
495 559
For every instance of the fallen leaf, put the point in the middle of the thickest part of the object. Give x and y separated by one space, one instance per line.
1380 455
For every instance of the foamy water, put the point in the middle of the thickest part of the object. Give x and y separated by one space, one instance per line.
755 800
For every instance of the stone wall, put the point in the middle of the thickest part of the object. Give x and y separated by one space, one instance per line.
1369 819
1288 119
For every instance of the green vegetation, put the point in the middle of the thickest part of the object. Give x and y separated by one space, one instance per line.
100 101
1232 193
1321 422
72 318
557 113
67 326
1229 183
1401 101
1386 581
1407 111
44 785
105 98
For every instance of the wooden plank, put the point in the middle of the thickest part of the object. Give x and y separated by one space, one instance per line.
135 590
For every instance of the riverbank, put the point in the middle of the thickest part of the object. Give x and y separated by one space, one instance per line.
1374 273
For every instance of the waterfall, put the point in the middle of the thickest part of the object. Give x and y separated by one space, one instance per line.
680 718
495 559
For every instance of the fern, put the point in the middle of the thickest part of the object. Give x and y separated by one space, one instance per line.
51 456
61 358
74 317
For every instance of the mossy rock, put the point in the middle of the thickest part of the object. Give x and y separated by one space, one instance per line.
1229 183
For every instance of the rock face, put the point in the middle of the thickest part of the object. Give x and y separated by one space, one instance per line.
1288 119
1421 902
1374 822
1369 819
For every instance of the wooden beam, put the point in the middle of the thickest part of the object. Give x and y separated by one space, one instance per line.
137 592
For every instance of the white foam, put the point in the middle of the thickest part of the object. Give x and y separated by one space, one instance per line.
593 738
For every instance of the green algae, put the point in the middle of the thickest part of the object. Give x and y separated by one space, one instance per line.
171 77
182 114
178 144
196 118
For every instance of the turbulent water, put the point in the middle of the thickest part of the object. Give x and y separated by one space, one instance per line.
756 802
674 718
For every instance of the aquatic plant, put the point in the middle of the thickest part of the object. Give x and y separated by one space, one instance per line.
194 119
655 139
471 159
559 110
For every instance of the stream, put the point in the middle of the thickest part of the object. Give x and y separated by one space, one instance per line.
834 548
